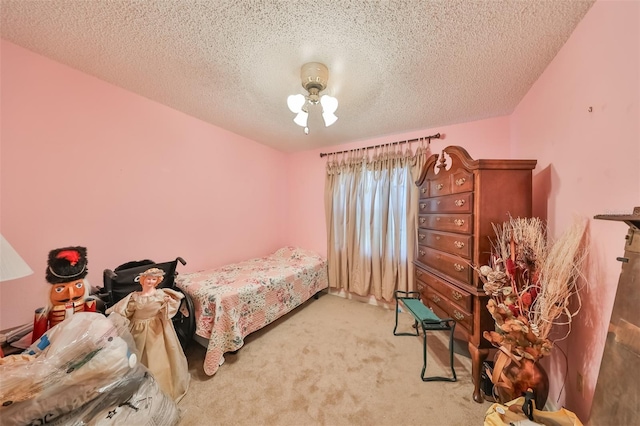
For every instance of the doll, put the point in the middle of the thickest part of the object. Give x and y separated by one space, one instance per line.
69 292
150 312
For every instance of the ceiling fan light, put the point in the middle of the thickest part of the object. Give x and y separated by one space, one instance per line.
329 119
295 103
301 119
329 104
314 76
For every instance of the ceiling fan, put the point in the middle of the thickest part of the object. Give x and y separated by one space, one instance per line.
314 76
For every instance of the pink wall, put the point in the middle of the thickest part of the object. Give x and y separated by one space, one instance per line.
587 165
61 129
86 163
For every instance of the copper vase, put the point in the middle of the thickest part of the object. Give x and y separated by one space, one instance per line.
511 379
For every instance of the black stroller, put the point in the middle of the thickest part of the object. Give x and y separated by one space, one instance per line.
119 282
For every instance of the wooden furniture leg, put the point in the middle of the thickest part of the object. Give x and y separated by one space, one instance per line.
478 356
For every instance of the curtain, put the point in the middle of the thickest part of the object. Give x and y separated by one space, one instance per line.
371 205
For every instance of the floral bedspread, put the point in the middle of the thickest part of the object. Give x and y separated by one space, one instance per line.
235 300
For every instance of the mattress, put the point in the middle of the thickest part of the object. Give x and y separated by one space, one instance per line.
235 300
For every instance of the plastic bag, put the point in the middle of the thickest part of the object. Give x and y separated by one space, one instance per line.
86 357
521 412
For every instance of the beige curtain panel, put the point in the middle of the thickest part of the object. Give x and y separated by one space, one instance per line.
371 205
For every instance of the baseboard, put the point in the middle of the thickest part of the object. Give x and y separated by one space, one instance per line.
371 300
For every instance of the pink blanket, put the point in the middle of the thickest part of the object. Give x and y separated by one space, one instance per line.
235 300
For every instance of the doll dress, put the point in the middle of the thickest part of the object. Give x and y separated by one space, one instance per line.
155 337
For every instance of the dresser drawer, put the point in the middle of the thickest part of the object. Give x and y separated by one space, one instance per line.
458 297
424 189
447 222
461 181
459 244
443 310
440 186
457 203
450 183
449 264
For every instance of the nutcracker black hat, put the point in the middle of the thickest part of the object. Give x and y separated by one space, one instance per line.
66 264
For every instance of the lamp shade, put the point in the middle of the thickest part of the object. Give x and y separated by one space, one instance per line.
12 266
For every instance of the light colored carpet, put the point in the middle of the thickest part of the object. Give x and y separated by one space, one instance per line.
332 361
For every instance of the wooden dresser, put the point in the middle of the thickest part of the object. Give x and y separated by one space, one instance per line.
460 200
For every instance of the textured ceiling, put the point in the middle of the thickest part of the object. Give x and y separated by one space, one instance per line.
395 66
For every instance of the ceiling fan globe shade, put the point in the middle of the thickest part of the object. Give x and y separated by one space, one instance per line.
329 119
329 104
295 102
301 119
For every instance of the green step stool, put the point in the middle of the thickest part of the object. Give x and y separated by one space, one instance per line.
429 322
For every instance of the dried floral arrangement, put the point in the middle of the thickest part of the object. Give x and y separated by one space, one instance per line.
531 282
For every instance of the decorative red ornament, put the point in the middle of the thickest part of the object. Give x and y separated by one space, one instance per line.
536 278
514 310
71 255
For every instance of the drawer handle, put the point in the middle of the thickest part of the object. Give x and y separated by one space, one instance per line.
458 267
422 252
435 299
437 237
422 206
459 222
460 181
456 295
424 190
421 236
459 203
440 186
419 272
458 244
437 219
457 315
422 219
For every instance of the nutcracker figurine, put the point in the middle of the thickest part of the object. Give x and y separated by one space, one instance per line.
69 293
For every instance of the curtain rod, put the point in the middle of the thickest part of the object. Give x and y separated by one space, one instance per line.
436 136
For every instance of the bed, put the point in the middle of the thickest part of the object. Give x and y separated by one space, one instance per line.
235 300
